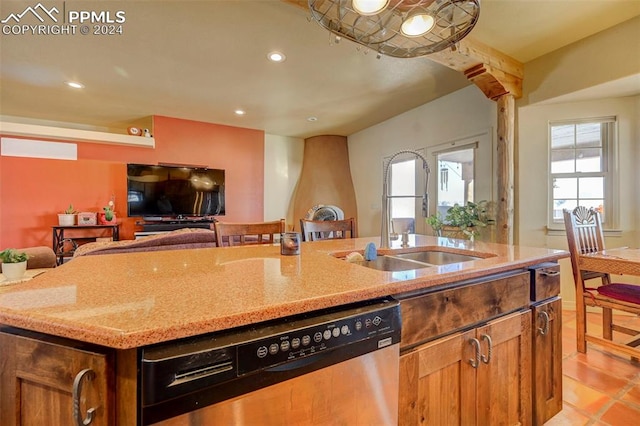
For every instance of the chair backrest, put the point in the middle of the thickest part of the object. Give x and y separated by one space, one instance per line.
584 230
234 234
313 230
584 235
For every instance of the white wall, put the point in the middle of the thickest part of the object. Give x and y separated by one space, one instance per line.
282 165
533 172
576 71
462 114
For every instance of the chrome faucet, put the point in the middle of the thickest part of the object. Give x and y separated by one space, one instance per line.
385 239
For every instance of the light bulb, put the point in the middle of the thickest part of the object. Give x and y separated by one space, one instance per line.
369 7
417 25
276 56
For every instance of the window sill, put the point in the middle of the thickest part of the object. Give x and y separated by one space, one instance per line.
560 232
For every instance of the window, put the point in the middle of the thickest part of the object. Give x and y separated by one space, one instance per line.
455 177
406 187
581 155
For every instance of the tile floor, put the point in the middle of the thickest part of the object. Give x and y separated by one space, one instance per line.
599 388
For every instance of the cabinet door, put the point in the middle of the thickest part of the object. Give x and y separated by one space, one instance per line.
504 372
547 360
437 383
38 381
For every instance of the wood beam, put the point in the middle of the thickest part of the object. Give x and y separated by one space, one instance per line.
491 70
505 150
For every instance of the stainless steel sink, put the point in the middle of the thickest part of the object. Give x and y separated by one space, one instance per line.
415 260
437 257
391 264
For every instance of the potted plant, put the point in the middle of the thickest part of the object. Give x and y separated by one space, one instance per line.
108 215
68 217
460 221
14 263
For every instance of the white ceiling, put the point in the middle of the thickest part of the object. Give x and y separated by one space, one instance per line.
201 60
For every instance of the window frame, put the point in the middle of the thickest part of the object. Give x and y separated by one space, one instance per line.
609 172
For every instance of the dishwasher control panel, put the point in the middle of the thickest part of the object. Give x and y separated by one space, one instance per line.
303 338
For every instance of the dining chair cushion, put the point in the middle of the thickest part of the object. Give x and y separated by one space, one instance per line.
625 292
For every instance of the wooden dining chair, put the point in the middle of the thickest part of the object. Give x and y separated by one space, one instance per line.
314 230
584 235
239 234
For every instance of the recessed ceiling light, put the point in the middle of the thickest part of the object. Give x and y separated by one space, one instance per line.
240 112
276 56
312 118
75 84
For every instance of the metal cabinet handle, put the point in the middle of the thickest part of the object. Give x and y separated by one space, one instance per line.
77 393
549 273
545 323
487 359
475 361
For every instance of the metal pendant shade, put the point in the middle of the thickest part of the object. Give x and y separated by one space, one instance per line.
404 28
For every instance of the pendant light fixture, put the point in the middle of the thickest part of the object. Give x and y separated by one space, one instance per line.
369 7
398 28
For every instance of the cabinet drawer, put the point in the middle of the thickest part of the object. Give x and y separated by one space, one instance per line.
545 281
430 315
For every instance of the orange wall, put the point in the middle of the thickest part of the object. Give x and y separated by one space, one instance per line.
33 191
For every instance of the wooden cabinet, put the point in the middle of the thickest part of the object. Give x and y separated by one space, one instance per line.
547 360
47 381
546 354
466 353
481 376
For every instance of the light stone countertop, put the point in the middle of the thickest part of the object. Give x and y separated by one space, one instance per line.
125 301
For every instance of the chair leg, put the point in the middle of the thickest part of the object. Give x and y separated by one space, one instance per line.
581 325
607 323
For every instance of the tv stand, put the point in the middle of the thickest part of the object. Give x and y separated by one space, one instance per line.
171 224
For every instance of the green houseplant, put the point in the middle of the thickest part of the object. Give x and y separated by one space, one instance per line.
461 220
67 217
14 263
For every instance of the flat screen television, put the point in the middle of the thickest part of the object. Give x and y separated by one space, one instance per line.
174 192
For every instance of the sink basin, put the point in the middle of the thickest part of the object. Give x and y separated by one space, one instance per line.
391 264
415 260
437 257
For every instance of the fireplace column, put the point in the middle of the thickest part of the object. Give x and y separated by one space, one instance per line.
325 178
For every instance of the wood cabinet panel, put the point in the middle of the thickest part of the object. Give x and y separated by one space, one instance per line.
504 380
425 317
38 381
440 385
547 360
545 281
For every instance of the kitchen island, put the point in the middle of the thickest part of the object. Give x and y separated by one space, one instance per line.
112 305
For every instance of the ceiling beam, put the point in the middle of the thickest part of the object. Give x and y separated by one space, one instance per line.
494 72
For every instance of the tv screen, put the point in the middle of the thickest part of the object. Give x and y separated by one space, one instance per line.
171 191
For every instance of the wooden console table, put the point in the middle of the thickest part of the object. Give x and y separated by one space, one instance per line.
90 233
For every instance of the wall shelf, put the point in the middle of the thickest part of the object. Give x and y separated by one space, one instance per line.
74 135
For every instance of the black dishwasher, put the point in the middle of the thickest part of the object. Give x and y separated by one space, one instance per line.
227 375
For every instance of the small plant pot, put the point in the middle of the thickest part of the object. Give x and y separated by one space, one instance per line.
456 232
66 219
14 271
102 220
